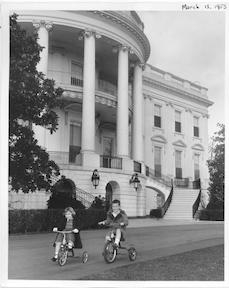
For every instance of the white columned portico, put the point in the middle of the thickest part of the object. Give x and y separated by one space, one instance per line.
89 158
122 105
137 140
43 29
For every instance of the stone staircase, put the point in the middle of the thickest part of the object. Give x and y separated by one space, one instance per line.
181 206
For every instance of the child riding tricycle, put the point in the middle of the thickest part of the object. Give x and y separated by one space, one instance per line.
67 238
117 221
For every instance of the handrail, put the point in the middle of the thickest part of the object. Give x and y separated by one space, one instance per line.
166 205
166 180
196 204
84 197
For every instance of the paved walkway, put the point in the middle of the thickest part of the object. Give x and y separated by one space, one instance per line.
29 255
151 222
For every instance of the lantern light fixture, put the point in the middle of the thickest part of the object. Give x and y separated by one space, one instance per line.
95 178
134 180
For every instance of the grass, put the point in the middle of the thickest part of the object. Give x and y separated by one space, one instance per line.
198 265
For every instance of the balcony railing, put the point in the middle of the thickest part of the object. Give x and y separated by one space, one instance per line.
107 87
181 182
110 162
76 82
137 167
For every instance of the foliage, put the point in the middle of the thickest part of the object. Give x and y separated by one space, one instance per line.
32 99
98 203
211 214
216 169
43 220
61 200
156 213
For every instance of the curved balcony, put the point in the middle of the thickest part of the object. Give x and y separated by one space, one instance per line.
106 92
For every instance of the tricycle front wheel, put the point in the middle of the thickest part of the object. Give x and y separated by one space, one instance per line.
62 257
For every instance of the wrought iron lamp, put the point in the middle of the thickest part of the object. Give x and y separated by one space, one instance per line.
95 178
134 179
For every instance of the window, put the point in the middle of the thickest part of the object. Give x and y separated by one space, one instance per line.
76 74
196 126
178 121
157 116
196 166
178 164
157 161
75 142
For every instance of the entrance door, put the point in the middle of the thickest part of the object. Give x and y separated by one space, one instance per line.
75 142
107 146
107 151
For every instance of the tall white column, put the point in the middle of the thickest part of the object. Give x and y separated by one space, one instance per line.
43 29
137 139
122 106
88 110
88 117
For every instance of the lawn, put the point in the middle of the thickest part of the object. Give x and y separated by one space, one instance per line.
198 265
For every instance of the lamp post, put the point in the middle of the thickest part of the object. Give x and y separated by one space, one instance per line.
95 178
134 179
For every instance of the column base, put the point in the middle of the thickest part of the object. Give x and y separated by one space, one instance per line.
90 159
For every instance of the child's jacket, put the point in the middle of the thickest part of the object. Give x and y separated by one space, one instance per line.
114 221
61 226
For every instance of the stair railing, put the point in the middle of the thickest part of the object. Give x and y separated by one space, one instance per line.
85 197
196 204
166 205
166 180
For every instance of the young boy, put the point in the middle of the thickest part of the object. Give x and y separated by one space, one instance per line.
67 223
117 219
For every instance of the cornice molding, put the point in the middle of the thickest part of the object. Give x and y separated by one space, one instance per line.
179 143
124 22
170 89
198 147
159 138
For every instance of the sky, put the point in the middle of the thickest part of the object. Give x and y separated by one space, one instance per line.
191 45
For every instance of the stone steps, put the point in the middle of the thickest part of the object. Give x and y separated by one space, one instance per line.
181 205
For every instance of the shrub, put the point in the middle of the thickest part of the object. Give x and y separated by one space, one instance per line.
212 214
63 200
22 221
156 213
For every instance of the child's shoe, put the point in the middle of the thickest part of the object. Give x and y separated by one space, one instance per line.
54 259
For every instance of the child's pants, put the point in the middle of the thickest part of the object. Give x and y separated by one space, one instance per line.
117 235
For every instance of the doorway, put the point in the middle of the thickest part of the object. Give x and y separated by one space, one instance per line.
112 192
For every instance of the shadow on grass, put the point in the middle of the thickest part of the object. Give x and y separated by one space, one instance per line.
198 265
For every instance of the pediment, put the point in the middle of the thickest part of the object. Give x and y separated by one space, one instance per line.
159 138
180 143
198 147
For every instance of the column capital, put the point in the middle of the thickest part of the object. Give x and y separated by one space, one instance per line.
47 25
169 104
139 64
187 109
88 33
122 47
